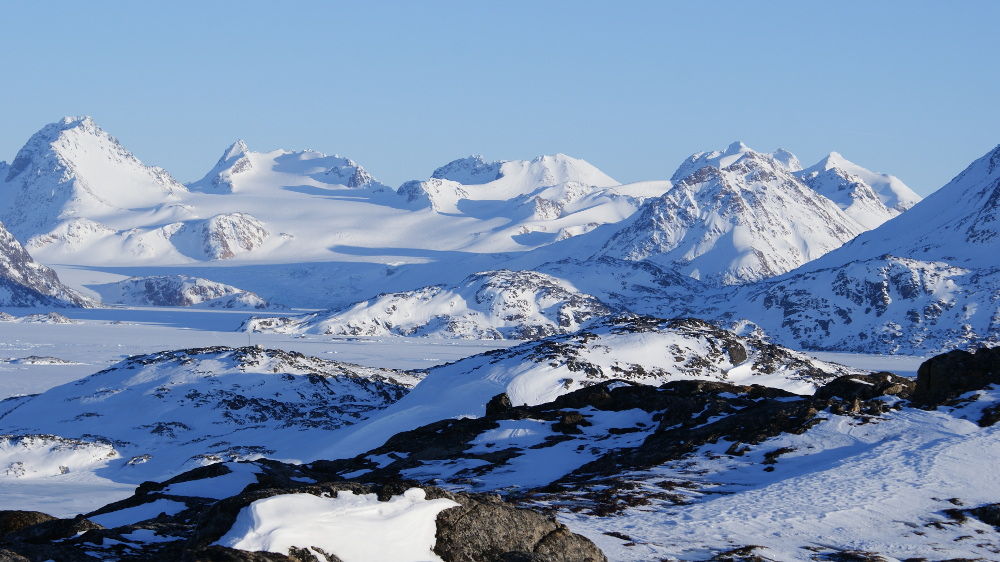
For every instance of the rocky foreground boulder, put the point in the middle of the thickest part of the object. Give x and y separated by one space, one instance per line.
481 528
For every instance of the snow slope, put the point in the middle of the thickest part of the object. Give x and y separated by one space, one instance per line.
156 415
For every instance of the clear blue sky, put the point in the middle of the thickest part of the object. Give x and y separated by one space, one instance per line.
909 88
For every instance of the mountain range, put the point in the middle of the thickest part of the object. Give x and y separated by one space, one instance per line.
828 257
661 394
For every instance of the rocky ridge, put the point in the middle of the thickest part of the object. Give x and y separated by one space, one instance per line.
502 304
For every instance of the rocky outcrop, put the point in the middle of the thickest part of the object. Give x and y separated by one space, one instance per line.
947 376
479 528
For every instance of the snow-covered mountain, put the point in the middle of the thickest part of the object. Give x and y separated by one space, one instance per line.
74 169
180 290
159 414
868 197
925 281
239 169
732 153
76 196
488 305
748 220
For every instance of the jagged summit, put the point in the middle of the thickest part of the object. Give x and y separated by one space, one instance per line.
748 220
235 160
473 170
729 156
239 169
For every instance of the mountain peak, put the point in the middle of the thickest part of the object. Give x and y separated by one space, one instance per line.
840 173
733 153
237 149
736 147
735 218
472 170
71 169
234 160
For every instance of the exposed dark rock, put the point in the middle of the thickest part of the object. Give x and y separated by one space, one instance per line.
989 514
11 521
990 417
866 387
498 405
947 376
485 530
8 556
52 529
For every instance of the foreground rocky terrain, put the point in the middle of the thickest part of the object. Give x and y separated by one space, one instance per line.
627 465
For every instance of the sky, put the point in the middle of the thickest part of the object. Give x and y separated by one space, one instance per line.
907 88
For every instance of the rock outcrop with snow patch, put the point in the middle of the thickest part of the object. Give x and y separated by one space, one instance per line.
27 283
641 350
220 237
180 290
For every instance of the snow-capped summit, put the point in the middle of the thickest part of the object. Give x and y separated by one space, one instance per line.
747 220
239 169
507 179
74 169
724 158
235 160
870 198
787 159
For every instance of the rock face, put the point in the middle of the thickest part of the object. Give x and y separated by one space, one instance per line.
490 305
748 220
27 283
220 237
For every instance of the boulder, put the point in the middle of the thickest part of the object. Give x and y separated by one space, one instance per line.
945 377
